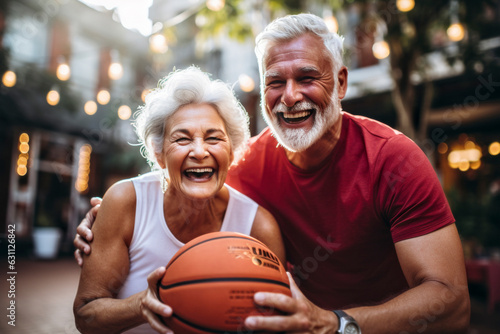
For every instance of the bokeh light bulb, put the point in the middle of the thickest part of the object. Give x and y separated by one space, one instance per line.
332 23
90 107
381 50
63 72
53 97
158 43
456 32
246 83
9 79
115 71
215 5
103 97
405 5
124 112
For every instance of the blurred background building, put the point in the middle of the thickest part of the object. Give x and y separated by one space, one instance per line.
73 73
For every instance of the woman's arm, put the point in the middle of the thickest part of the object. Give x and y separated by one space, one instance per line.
265 228
96 308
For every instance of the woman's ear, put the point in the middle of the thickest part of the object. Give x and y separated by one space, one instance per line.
160 161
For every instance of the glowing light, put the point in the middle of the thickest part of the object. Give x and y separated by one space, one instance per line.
246 83
103 97
24 138
124 112
443 148
215 5
456 32
405 5
381 50
22 170
24 148
9 79
463 165
332 23
115 71
82 180
470 157
158 43
144 93
475 164
63 72
90 107
53 97
494 148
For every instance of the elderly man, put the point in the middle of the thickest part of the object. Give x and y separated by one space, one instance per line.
367 229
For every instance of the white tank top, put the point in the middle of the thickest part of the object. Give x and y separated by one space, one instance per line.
153 244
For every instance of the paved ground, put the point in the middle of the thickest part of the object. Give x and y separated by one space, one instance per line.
44 293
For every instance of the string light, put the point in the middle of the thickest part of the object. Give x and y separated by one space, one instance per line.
103 97
215 5
22 160
332 23
115 71
53 97
144 93
124 112
158 43
63 72
468 157
9 79
494 148
90 107
405 5
246 83
381 50
456 32
82 179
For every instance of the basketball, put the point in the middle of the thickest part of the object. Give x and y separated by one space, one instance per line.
211 280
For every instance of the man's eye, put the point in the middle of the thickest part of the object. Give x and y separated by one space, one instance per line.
274 83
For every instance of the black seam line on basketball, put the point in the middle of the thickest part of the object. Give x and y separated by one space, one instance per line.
206 329
225 279
222 237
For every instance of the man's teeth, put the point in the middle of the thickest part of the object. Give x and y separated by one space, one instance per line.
297 114
199 170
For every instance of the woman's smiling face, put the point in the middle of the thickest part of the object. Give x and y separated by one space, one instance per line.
197 151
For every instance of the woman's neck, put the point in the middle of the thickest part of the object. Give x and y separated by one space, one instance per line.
187 218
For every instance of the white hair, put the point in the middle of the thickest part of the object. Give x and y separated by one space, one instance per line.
180 88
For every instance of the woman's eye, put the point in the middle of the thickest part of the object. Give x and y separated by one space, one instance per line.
182 140
213 139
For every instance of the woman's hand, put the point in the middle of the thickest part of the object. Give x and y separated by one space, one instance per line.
84 233
151 306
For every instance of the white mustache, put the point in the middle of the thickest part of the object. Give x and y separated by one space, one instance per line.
300 106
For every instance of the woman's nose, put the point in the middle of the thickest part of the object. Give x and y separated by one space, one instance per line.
199 150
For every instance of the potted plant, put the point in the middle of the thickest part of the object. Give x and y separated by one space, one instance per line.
46 237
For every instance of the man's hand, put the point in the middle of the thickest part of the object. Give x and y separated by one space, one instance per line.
84 233
302 315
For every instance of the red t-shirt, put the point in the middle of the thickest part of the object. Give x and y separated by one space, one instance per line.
340 221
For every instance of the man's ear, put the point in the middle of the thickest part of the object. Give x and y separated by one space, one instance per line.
342 82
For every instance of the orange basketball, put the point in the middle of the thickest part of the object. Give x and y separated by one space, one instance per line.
210 283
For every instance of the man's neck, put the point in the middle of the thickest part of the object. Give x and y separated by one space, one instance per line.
313 156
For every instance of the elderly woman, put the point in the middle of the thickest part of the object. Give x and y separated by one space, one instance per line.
190 128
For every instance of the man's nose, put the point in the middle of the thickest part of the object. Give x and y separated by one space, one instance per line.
291 94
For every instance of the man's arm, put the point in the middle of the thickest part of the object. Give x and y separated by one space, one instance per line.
84 233
437 301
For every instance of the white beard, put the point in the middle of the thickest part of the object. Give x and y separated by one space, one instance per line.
297 140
